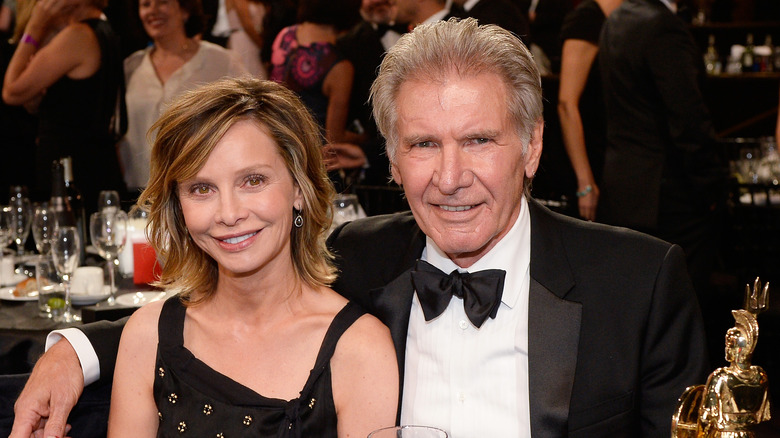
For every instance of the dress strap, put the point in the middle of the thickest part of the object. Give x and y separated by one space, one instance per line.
341 322
170 327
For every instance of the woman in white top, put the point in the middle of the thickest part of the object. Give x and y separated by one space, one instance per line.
174 63
246 23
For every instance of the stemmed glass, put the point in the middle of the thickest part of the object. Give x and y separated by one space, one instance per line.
22 211
108 199
108 230
66 251
6 235
42 228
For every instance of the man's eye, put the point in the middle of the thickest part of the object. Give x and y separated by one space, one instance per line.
480 140
423 144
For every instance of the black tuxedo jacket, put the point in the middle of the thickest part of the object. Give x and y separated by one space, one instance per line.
661 151
615 333
502 13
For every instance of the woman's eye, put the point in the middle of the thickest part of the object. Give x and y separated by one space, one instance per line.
254 180
200 189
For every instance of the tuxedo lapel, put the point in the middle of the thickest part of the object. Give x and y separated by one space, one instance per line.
553 328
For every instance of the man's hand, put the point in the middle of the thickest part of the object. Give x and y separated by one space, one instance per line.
53 389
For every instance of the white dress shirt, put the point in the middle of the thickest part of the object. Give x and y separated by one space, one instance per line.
473 382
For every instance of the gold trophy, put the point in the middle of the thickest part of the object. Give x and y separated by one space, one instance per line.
735 397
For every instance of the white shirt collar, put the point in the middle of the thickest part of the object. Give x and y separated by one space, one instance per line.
671 5
469 4
512 254
437 16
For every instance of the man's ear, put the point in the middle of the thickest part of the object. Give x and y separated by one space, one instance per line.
396 174
534 150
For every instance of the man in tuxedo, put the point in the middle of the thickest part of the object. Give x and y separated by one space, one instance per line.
503 13
663 171
545 326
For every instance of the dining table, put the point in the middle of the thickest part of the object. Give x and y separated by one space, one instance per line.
23 330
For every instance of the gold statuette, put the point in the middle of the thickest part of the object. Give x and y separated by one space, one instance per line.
735 397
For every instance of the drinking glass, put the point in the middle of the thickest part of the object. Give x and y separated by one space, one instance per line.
346 208
6 237
43 228
65 251
51 291
108 199
108 230
408 432
22 216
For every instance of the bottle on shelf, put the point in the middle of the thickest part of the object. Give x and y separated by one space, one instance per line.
770 60
76 202
748 56
712 59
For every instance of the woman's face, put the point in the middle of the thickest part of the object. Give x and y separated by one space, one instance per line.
238 208
162 17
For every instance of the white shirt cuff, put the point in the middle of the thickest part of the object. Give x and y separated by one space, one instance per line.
90 365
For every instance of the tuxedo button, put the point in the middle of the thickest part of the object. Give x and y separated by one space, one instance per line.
463 324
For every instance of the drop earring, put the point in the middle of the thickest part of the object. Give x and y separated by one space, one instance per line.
298 221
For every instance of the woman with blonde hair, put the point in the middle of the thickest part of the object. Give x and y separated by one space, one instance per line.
256 343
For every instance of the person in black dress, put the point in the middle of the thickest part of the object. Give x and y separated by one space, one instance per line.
255 343
68 67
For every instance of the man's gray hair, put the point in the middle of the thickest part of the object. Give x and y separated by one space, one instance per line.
431 52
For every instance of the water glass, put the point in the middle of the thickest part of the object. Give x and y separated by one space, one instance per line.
22 216
66 252
51 291
43 227
6 237
108 199
408 432
108 230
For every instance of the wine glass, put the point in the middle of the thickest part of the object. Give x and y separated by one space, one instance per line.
66 251
43 228
108 230
6 237
108 199
22 216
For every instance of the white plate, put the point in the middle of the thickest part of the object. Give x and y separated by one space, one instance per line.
15 280
138 299
7 294
85 300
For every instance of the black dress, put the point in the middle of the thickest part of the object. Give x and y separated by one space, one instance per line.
195 400
75 120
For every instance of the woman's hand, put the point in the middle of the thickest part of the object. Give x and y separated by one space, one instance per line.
588 202
48 16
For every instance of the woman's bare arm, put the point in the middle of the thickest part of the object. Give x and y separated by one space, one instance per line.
365 379
576 60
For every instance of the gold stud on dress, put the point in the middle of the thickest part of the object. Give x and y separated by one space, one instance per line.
247 420
311 403
161 372
172 398
207 409
182 427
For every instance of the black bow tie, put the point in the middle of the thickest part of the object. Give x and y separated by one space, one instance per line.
481 291
382 29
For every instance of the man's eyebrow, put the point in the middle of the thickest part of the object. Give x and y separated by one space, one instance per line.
415 138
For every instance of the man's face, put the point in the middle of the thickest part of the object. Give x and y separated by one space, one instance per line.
460 161
378 11
406 11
